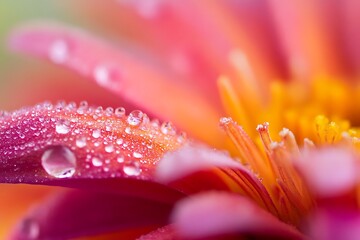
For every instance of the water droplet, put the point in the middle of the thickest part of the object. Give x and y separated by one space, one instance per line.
137 155
59 162
119 141
109 111
29 229
181 138
59 51
96 162
109 148
71 106
132 168
120 112
225 120
128 130
96 133
62 126
168 128
135 118
104 75
120 159
81 142
108 128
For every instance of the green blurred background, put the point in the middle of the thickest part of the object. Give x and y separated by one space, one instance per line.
13 13
25 80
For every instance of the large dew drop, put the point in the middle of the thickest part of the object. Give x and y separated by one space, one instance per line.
135 118
59 162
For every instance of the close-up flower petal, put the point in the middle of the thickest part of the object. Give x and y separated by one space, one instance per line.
216 214
242 119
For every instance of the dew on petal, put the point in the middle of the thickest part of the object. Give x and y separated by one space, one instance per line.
135 118
168 128
120 112
137 155
62 126
132 168
109 148
59 51
119 141
83 106
59 161
105 76
109 111
96 133
120 159
96 162
81 142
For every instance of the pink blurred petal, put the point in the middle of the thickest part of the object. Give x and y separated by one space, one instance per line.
334 224
217 213
128 74
72 214
164 233
329 171
195 168
313 31
83 147
190 159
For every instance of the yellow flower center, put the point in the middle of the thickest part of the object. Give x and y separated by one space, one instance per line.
311 113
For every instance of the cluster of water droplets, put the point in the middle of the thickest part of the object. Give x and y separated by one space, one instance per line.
86 141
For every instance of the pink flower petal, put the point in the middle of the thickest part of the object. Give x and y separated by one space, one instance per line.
124 73
215 214
329 171
333 224
72 214
84 147
190 159
165 233
195 168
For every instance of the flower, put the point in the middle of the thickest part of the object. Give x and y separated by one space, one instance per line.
133 172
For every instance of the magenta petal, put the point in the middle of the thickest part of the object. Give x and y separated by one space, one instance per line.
319 168
190 159
219 213
125 73
333 224
72 214
83 147
164 233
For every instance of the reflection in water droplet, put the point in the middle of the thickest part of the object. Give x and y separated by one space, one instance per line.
119 141
96 133
59 162
120 112
132 168
104 76
120 159
29 229
137 155
168 128
62 126
81 142
109 148
135 118
59 51
96 162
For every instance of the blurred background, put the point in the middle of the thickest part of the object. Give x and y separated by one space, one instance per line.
25 81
